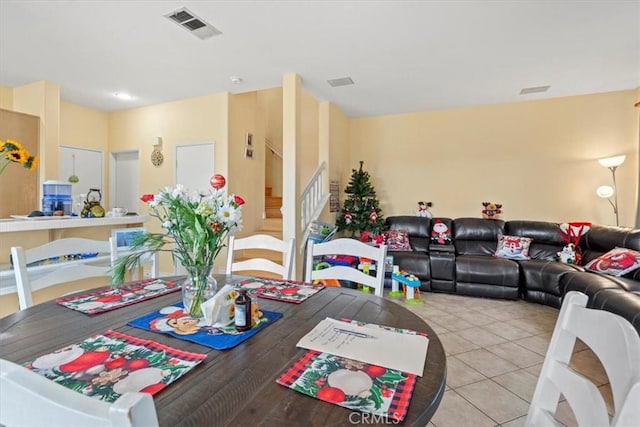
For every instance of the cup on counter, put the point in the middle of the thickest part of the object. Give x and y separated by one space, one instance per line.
116 212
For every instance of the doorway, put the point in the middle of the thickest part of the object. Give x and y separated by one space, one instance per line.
124 181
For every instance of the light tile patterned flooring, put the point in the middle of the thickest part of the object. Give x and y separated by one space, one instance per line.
495 349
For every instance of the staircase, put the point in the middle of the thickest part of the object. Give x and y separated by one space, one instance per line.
272 205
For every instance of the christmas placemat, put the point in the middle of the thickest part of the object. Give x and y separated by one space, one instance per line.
280 290
109 299
110 364
351 384
175 321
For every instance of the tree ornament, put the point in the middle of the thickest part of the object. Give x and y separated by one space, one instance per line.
373 216
217 181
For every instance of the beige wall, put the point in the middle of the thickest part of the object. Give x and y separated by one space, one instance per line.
270 110
6 97
308 160
200 119
537 158
246 175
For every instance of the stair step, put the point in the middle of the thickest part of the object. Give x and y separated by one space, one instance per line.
273 202
272 225
273 213
267 191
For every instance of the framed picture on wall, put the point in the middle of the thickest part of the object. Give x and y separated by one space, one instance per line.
249 140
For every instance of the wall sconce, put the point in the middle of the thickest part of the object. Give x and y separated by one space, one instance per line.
606 191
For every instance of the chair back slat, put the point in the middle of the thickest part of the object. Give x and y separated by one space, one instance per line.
352 247
615 342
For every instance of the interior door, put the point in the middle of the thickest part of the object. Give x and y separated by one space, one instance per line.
195 163
125 181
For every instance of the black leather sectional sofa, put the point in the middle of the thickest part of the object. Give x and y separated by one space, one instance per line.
467 265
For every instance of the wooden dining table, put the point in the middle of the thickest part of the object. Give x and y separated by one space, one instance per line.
237 387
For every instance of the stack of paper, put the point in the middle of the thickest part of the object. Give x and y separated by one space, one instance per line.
369 344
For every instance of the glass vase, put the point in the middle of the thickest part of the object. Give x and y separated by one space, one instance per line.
197 287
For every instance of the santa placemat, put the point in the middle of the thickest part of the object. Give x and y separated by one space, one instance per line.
110 364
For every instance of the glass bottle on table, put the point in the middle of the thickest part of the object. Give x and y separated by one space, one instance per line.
242 317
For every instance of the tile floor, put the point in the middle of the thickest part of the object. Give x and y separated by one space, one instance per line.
495 349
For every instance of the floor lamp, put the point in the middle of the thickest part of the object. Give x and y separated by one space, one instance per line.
606 191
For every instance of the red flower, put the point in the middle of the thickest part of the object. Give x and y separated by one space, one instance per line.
147 197
215 226
238 200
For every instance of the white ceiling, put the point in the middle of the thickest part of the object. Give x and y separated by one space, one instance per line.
403 56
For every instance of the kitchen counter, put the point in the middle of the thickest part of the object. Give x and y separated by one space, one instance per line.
49 223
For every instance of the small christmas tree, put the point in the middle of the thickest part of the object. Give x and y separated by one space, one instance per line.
361 210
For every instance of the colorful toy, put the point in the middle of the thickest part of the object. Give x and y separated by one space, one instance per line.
571 233
410 286
327 282
423 209
491 210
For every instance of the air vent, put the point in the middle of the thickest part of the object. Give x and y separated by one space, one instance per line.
192 23
343 81
536 89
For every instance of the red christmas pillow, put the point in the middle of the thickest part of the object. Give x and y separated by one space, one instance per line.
616 262
397 240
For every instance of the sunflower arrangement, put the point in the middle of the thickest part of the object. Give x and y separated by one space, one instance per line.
13 152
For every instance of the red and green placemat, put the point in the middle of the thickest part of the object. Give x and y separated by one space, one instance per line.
110 364
351 384
175 321
110 299
280 290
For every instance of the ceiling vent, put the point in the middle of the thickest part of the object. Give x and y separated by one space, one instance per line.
343 81
192 23
536 89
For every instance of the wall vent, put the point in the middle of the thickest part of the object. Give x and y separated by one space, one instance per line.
343 81
192 23
536 89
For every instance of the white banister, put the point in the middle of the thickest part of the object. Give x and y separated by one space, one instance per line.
312 202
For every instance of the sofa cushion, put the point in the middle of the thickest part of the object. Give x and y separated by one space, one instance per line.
622 303
513 247
547 241
602 238
587 283
418 228
488 270
397 240
540 280
616 262
476 236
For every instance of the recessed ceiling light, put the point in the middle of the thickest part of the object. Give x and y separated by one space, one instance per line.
235 80
536 89
123 96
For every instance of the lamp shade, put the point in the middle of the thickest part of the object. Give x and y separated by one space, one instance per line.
612 162
605 191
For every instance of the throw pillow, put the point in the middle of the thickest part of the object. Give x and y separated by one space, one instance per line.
397 240
440 233
513 247
616 262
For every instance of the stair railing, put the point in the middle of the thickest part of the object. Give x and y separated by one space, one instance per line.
312 201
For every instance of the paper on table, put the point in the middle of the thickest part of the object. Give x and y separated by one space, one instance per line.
376 346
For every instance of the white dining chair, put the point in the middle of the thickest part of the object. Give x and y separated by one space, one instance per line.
31 277
346 246
29 399
149 258
616 343
260 242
